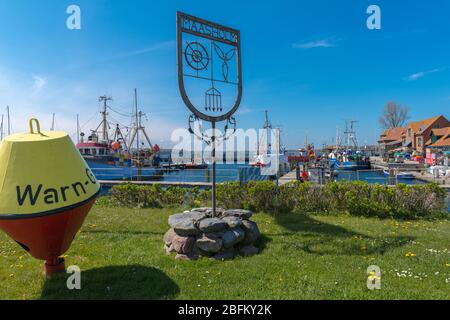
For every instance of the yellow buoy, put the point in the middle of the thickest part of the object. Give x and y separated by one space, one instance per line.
46 191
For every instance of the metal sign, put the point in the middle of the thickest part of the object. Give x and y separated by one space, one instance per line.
209 67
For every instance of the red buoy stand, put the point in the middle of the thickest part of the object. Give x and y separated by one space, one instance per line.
54 266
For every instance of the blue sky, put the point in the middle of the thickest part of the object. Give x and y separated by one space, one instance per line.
312 64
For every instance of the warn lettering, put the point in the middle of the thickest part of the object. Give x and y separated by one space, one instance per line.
32 195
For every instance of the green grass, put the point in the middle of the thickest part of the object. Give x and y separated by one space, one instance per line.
120 253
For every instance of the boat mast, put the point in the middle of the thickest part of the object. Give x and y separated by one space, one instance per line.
137 121
267 125
78 129
139 127
104 113
1 129
338 140
9 120
350 133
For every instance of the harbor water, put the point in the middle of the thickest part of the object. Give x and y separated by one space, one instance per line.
228 172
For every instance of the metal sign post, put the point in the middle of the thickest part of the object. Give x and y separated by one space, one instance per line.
209 67
213 160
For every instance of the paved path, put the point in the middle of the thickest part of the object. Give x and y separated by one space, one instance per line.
288 177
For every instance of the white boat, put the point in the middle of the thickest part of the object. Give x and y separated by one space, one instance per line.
272 158
400 174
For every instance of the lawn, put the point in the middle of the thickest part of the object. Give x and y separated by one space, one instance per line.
120 252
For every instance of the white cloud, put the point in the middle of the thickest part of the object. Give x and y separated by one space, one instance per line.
421 74
244 110
39 82
154 47
322 43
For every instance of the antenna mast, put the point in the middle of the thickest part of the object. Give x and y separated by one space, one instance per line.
104 113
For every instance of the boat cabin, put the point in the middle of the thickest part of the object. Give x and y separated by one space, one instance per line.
93 147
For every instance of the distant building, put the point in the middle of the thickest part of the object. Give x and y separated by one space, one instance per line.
391 139
418 134
439 139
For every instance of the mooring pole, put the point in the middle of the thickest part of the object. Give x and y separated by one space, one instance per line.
213 155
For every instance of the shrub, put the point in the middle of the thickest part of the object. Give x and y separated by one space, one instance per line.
230 195
261 195
353 197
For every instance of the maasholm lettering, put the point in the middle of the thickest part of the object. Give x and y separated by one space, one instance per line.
203 28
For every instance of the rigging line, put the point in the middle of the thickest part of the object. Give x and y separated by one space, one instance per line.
83 125
120 113
114 120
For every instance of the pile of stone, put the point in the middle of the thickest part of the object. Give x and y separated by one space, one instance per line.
197 233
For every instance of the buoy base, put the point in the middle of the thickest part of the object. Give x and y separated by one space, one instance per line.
54 266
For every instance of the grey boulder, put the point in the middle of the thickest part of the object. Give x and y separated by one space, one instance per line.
209 244
184 223
208 210
232 221
240 213
232 237
251 232
209 225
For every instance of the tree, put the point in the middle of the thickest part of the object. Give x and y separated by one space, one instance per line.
394 115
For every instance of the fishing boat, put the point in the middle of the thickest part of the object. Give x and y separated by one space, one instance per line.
350 160
350 157
110 156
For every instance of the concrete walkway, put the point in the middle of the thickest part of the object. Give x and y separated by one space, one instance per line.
288 177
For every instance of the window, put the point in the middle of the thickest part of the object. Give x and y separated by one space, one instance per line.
101 151
419 141
433 138
409 132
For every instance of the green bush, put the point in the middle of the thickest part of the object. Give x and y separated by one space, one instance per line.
230 195
352 197
152 196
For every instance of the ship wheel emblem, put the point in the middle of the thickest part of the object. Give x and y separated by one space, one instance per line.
196 56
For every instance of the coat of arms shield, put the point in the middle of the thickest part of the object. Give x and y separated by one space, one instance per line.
209 67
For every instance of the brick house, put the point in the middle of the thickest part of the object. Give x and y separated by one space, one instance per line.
440 139
418 134
391 139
